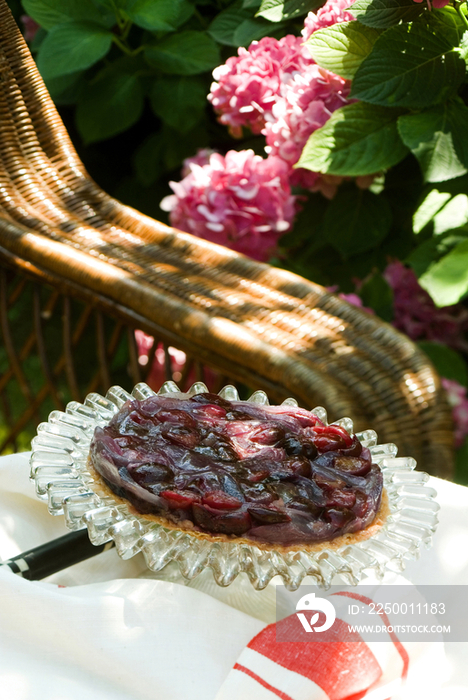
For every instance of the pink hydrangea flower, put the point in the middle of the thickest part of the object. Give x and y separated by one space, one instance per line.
416 314
304 105
240 200
458 400
201 158
247 85
332 12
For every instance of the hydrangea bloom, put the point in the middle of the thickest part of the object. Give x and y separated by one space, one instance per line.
416 314
240 200
304 105
458 400
332 12
248 84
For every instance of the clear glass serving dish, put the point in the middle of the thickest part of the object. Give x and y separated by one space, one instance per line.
59 469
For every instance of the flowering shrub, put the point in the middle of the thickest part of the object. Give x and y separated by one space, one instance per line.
274 88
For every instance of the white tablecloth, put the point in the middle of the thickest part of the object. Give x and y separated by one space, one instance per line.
217 629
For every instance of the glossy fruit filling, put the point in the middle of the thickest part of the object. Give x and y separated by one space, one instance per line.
271 474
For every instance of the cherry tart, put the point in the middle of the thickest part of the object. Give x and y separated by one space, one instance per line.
273 475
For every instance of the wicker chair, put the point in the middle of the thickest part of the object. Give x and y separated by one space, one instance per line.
99 269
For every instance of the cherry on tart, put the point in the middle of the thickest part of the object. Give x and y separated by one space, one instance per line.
273 475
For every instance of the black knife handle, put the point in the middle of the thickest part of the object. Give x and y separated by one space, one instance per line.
53 556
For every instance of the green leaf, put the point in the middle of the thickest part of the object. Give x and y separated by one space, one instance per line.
385 13
342 47
251 30
111 4
464 48
159 15
458 125
448 22
356 220
430 136
225 24
251 3
453 214
65 89
448 363
186 53
431 204
179 101
447 280
377 294
409 66
72 47
277 10
38 39
110 105
358 139
421 258
50 13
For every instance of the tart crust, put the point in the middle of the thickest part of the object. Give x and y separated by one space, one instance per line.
100 487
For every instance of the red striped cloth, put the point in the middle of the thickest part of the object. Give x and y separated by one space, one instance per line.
341 666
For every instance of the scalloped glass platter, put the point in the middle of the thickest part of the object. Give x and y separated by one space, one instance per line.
59 469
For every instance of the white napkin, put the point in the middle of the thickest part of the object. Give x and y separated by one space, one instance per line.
109 635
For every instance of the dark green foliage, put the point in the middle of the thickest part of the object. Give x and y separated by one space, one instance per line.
410 65
377 294
449 363
385 13
356 221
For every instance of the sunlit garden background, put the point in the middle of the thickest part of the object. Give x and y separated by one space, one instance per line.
326 139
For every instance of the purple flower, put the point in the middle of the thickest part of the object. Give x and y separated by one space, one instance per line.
416 314
30 27
356 300
333 12
458 400
241 200
351 298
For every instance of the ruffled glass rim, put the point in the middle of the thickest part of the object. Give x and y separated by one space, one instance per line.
59 469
